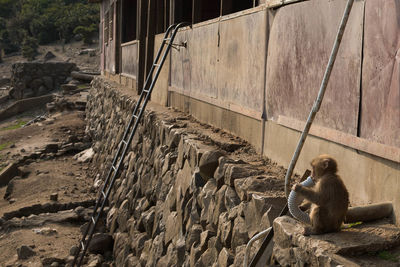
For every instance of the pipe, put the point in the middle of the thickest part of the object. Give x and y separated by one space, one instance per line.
369 212
252 240
317 103
294 200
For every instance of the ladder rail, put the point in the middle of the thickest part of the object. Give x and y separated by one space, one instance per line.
124 144
133 117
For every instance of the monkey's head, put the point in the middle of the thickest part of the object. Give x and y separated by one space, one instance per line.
323 164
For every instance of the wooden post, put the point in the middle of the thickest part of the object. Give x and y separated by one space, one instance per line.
118 34
142 29
196 11
151 29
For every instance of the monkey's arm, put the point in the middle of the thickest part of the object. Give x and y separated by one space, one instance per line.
309 194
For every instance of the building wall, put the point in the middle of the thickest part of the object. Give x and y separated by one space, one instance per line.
213 75
380 106
260 62
223 63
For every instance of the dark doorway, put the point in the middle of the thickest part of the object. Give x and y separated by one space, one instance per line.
129 20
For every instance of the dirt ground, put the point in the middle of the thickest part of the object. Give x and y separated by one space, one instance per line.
44 173
48 174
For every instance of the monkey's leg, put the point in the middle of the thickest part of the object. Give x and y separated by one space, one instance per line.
306 205
316 222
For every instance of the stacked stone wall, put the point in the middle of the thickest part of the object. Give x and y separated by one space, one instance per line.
182 198
30 79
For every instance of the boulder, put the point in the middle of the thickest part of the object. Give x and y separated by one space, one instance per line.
25 252
101 243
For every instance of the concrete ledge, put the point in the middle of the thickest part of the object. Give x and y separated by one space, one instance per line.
25 105
8 173
238 124
292 247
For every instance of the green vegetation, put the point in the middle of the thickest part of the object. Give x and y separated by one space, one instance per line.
4 145
33 22
84 85
349 225
86 32
17 125
386 255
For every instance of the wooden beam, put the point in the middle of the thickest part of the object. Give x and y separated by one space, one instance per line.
196 11
279 3
384 151
142 30
151 30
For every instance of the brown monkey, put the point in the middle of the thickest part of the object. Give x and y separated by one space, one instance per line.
329 197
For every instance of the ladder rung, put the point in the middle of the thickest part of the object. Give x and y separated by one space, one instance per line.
167 39
114 168
157 65
93 220
146 91
82 245
103 194
135 116
124 142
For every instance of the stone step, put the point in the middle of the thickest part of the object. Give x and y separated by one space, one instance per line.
292 246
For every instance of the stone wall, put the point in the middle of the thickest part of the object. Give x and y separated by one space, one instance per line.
29 79
184 197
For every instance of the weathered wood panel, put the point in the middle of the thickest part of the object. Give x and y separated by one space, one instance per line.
300 43
129 57
224 62
181 62
203 50
380 110
241 69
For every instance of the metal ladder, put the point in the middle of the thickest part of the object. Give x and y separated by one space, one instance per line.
126 141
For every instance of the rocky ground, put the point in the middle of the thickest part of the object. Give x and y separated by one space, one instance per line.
44 204
84 56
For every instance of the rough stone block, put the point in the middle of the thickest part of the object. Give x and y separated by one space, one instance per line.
234 171
172 227
225 258
239 232
209 163
245 187
324 249
193 237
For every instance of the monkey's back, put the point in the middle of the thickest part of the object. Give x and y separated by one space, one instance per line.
337 200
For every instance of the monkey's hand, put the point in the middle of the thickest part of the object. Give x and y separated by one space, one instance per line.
297 187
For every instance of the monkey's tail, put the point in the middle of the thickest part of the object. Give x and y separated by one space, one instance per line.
293 203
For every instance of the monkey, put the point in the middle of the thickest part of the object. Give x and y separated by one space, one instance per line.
328 197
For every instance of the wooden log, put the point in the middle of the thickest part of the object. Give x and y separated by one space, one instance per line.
82 76
369 212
